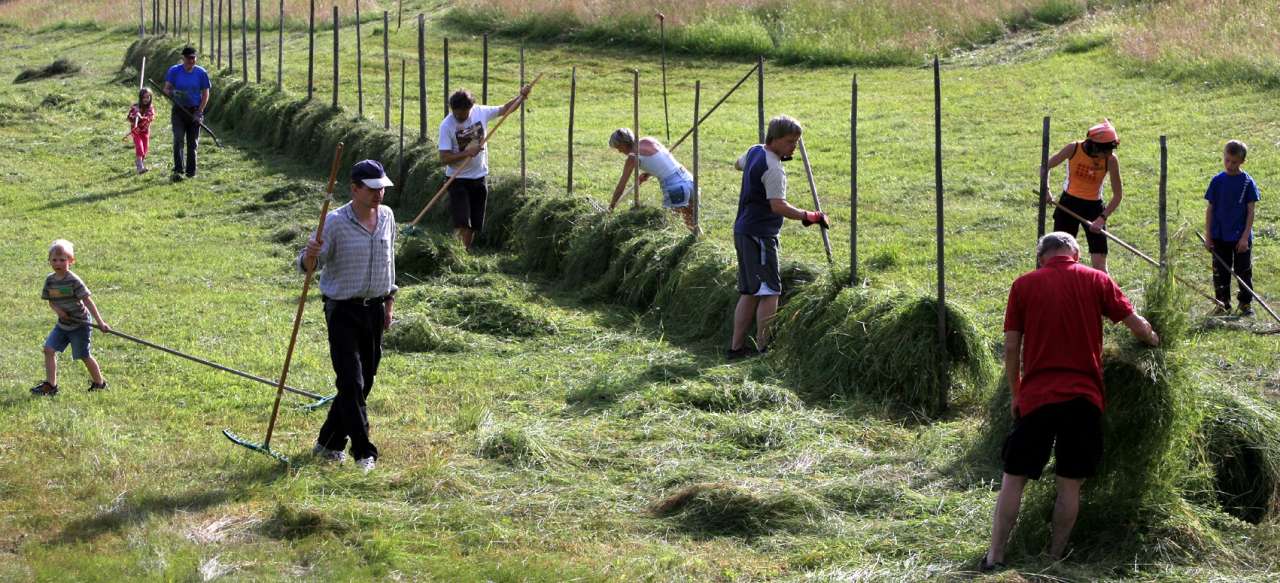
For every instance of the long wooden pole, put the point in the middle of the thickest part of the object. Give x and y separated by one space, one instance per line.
853 184
359 65
257 40
446 76
697 195
218 42
524 179
244 43
635 125
760 96
336 82
1134 250
943 357
1044 178
202 28
666 111
1240 280
716 106
817 203
386 72
422 77
400 150
311 51
484 70
306 286
280 51
573 94
1163 202
231 36
445 187
142 21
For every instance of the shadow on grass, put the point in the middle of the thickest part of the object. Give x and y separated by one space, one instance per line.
142 507
99 197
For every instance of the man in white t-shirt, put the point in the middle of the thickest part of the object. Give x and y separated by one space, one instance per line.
461 133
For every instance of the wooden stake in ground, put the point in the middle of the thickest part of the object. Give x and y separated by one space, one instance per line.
231 36
943 357
446 76
853 184
484 70
524 181
1163 203
244 43
573 95
697 198
488 136
359 65
635 127
280 51
265 447
386 73
217 45
257 41
400 150
311 52
336 82
202 27
422 78
760 96
666 112
817 204
1044 178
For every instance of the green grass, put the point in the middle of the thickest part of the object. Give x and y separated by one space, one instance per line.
542 458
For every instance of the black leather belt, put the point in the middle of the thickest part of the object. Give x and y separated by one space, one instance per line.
359 301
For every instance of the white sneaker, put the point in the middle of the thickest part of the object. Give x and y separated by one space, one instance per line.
366 464
332 455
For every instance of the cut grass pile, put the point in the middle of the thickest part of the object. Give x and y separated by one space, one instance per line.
880 345
741 509
501 312
418 333
58 68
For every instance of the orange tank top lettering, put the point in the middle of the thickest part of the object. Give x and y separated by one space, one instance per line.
1085 174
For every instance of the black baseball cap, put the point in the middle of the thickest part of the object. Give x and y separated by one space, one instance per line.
371 174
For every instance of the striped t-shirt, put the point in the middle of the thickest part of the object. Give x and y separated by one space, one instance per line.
68 294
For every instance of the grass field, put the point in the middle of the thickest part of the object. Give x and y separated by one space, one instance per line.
543 458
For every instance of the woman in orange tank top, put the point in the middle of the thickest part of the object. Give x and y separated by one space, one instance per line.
1088 162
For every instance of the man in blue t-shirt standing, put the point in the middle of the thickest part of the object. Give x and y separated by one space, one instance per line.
762 205
1228 226
188 85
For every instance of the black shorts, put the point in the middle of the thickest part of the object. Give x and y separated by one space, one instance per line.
757 264
1072 429
467 197
1089 209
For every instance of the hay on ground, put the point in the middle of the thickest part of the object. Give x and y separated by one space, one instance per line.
417 333
426 254
699 292
746 509
1242 442
543 229
592 249
58 68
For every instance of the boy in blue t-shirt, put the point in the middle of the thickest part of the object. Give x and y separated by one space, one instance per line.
1228 226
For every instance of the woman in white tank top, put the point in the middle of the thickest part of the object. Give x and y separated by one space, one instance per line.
654 160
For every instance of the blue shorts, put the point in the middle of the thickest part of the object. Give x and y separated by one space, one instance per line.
78 339
678 192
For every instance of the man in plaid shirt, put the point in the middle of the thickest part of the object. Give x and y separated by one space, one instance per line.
356 260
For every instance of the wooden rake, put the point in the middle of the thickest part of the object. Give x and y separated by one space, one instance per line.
445 187
1240 280
265 446
1132 249
817 205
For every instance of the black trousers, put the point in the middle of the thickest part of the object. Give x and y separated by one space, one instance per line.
185 132
1242 263
355 347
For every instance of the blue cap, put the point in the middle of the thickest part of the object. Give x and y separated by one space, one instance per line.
371 174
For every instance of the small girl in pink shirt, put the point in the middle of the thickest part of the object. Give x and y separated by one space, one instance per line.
140 116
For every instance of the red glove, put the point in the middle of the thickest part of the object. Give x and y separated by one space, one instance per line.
812 217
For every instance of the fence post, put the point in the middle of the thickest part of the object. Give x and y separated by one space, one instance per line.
244 43
697 196
666 110
760 96
386 72
944 377
1044 178
231 36
524 182
446 75
422 78
359 65
853 184
142 21
335 56
1164 207
280 51
257 40
399 14
400 150
635 121
201 28
484 71
573 94
217 45
311 51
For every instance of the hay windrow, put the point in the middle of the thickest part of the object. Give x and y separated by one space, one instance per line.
1242 442
58 68
417 333
592 248
745 509
880 345
543 229
493 311
699 292
426 254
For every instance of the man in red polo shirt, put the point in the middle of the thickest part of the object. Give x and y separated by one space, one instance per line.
1053 362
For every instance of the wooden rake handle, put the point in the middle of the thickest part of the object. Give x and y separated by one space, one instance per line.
445 187
302 299
817 204
1239 280
1132 249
